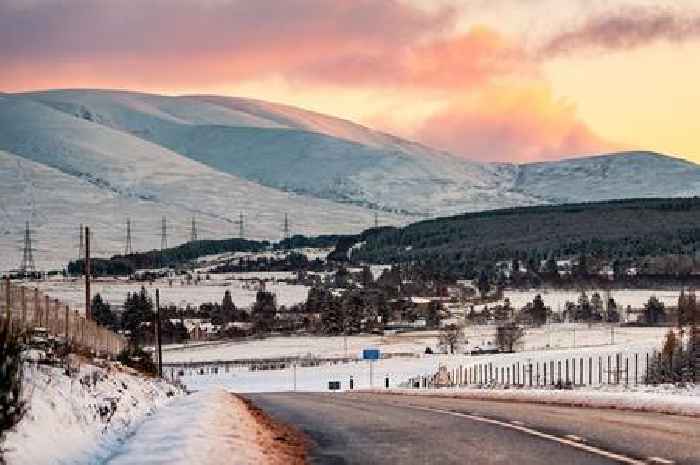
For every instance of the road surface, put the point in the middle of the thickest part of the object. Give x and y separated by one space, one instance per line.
368 429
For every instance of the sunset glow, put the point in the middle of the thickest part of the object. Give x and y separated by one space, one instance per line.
486 80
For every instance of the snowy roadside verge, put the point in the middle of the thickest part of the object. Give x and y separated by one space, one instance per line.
81 418
211 427
666 399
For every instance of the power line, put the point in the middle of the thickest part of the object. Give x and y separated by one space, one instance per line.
193 230
163 234
27 256
240 223
128 250
285 229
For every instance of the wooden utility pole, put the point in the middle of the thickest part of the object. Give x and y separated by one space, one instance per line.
86 269
8 310
158 335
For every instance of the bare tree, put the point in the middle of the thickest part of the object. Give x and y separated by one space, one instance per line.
452 337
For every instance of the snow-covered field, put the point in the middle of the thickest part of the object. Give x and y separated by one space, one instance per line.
64 425
556 299
282 346
398 370
590 342
555 336
243 294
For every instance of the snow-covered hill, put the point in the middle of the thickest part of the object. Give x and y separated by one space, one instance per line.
96 157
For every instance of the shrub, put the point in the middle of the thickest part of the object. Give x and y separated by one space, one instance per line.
12 405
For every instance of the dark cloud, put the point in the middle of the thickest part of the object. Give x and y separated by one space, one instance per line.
625 29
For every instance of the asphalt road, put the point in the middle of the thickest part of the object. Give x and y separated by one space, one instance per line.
368 429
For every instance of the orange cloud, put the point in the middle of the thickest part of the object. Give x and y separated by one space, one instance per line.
455 62
511 123
388 45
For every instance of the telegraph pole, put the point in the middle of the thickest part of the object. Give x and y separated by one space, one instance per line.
158 335
81 247
86 266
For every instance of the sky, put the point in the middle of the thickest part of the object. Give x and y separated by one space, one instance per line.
488 80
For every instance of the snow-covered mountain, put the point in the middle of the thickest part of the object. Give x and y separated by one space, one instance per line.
96 157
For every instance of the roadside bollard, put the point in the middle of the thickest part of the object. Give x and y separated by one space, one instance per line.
352 383
386 382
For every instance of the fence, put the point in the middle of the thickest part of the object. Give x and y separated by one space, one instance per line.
594 370
26 309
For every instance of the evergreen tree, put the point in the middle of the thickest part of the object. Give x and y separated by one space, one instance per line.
612 314
596 307
484 283
102 313
536 311
432 319
654 311
264 311
12 405
138 316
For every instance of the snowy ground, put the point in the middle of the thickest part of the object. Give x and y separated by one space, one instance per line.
211 427
400 369
114 291
64 426
556 299
559 336
590 342
662 399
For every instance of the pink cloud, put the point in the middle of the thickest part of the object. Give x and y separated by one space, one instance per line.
188 43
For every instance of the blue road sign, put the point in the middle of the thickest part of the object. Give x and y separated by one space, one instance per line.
370 354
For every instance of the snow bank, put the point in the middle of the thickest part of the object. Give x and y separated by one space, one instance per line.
211 427
667 399
75 421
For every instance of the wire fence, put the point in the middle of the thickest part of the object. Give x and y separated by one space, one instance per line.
27 310
627 369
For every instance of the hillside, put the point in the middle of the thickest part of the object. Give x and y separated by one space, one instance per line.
614 230
97 157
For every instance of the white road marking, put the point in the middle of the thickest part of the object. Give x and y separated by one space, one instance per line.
577 445
573 437
660 460
516 422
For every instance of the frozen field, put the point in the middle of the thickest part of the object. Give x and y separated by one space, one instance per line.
561 336
556 299
330 346
243 294
564 341
398 370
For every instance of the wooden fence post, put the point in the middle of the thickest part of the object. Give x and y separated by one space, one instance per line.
67 323
23 299
8 304
46 311
36 316
56 324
